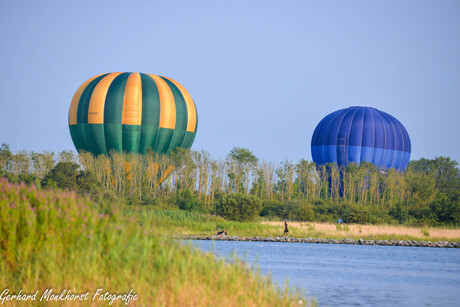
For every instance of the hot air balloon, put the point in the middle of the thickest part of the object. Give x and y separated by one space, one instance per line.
359 134
132 112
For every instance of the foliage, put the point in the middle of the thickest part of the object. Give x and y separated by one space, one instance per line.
241 163
238 207
6 158
192 180
356 214
444 170
187 201
297 210
178 222
399 213
63 175
271 208
46 232
446 210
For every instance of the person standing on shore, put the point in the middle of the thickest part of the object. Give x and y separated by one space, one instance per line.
286 230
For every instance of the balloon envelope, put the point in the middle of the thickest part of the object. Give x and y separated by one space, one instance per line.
358 134
132 112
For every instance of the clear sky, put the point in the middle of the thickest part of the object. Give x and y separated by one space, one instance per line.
262 73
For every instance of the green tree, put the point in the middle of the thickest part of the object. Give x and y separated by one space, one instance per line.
6 159
445 170
242 162
356 214
421 188
186 200
87 183
445 209
63 175
21 162
399 213
271 208
298 210
66 156
238 207
285 183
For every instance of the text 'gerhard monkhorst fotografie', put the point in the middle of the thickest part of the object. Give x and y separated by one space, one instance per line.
65 295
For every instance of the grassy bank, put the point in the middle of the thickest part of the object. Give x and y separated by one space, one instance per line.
180 222
371 232
54 239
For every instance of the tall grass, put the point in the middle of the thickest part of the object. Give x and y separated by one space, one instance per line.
369 232
54 239
179 222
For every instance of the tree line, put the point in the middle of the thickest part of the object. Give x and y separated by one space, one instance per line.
427 192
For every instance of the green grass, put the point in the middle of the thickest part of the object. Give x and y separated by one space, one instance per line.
425 232
54 239
342 227
179 222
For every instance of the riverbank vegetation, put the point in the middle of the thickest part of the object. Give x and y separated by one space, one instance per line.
180 222
242 188
57 239
79 222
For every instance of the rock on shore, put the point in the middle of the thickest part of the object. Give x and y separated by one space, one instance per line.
327 241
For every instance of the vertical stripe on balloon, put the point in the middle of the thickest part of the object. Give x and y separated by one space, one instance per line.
191 109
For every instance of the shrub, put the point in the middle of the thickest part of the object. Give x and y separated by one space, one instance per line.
356 214
399 213
271 208
87 183
63 175
238 207
445 209
379 216
297 210
188 201
322 207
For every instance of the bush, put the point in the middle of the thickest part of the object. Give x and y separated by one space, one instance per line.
322 207
356 214
446 210
188 201
238 207
379 216
399 213
87 183
271 208
63 176
297 210
422 216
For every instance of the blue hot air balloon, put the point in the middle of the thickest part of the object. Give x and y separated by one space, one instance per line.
358 134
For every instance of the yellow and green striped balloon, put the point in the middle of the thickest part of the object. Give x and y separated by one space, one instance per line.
131 112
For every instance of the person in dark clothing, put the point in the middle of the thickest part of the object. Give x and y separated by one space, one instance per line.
286 230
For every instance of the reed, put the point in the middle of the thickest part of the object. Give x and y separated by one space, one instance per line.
55 239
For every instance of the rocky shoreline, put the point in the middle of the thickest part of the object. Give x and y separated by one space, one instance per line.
443 244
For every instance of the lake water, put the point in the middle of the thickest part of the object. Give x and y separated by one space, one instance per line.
355 275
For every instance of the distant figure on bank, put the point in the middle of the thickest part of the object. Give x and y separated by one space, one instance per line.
286 230
339 221
221 233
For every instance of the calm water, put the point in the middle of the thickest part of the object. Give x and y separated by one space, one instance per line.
354 275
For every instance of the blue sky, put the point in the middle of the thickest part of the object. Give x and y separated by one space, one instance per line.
262 73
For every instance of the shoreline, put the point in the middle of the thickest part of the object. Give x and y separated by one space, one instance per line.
440 244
